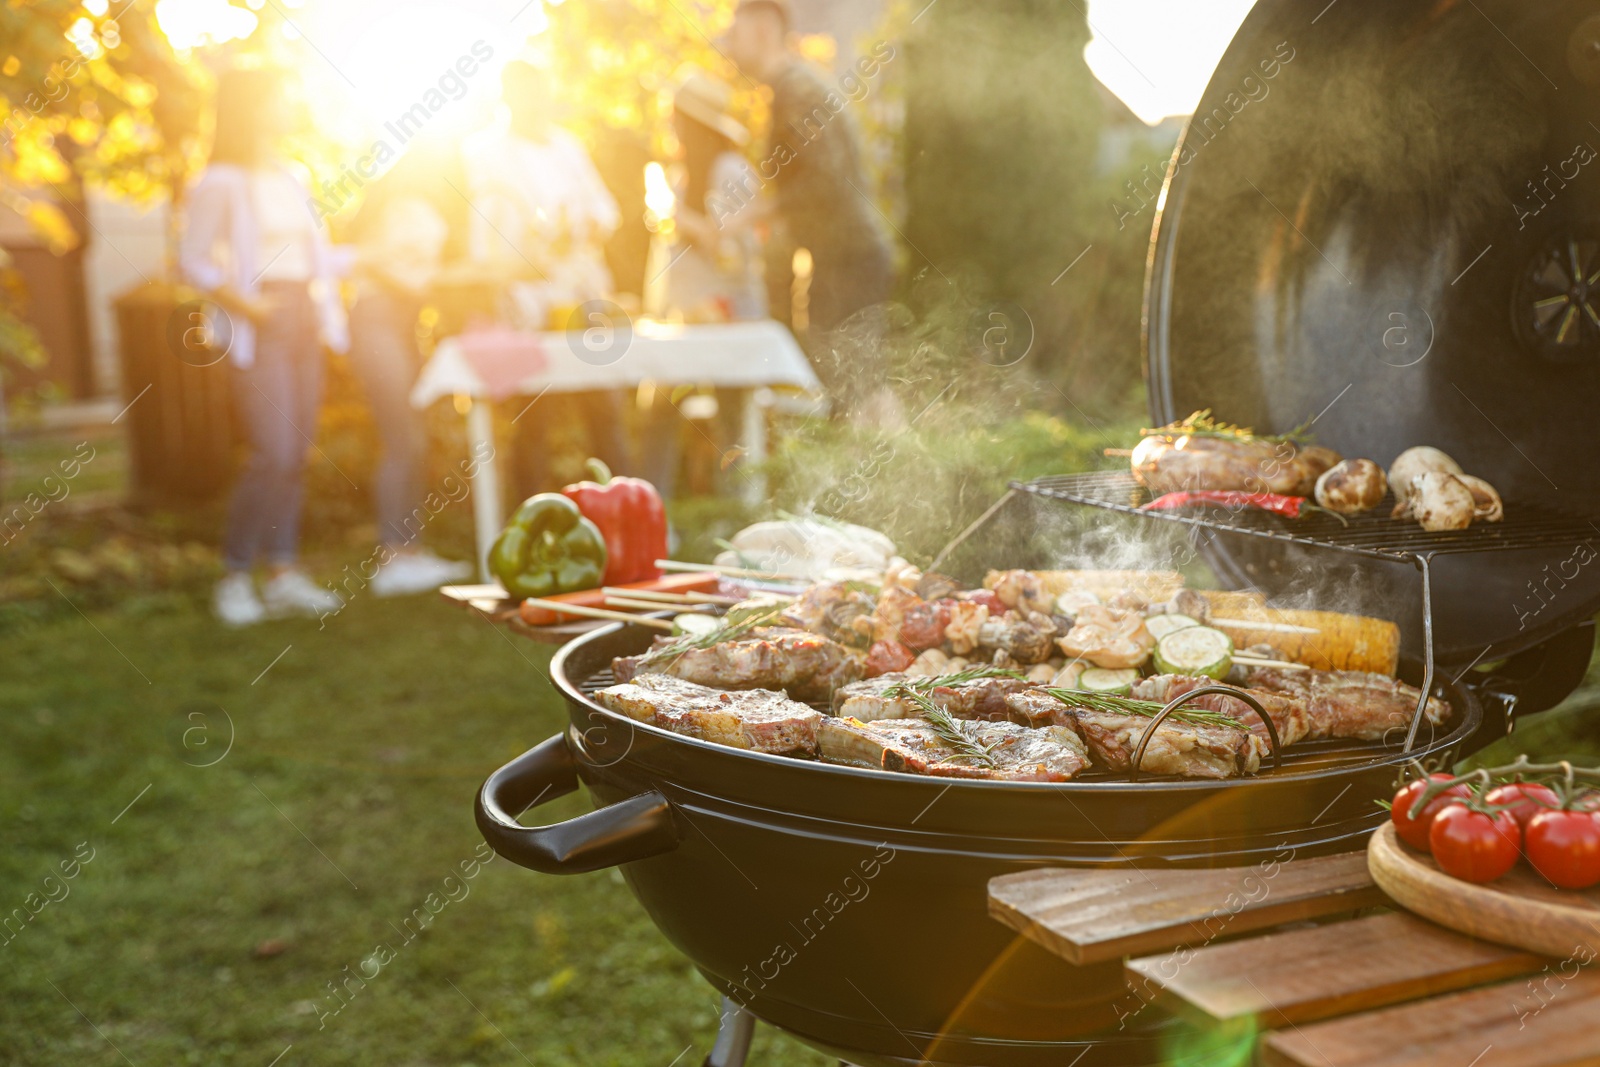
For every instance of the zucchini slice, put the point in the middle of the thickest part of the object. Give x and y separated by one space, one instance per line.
693 622
1108 681
1199 650
1162 625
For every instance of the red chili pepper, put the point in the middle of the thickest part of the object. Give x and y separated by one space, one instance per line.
1287 506
631 518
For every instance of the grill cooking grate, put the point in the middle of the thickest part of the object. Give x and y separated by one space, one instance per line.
1301 758
1371 534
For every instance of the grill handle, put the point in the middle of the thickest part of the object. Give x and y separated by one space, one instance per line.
629 830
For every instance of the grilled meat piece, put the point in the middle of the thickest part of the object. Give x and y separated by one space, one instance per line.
807 666
980 698
835 611
1052 754
1188 750
1167 463
1027 637
752 719
1354 704
1290 716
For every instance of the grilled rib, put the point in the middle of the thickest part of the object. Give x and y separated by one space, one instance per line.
978 698
1188 750
912 746
807 666
1354 704
751 719
1290 716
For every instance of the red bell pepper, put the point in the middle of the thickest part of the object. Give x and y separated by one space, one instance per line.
631 518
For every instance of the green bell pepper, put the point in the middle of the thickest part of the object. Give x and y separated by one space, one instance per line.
548 547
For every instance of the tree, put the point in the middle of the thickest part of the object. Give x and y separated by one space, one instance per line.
87 97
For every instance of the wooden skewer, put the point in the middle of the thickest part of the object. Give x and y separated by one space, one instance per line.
1274 627
733 572
652 605
671 598
563 608
1252 661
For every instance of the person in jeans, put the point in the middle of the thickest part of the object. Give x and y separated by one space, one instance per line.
401 233
251 243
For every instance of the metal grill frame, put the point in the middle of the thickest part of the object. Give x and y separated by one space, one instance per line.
1373 535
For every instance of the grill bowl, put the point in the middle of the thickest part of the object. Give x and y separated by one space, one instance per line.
849 906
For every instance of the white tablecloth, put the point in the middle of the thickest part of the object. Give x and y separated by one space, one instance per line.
740 355
735 355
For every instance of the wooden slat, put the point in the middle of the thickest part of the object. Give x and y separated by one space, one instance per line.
1328 970
1496 1026
1090 916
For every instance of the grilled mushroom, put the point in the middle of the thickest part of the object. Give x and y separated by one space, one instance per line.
1411 464
1351 487
1440 501
1486 505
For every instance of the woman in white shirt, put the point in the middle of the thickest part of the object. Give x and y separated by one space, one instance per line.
252 244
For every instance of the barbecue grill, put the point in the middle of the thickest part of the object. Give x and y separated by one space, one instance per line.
1352 237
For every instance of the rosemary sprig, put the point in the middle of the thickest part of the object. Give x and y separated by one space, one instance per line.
691 642
1104 702
1201 424
931 682
949 730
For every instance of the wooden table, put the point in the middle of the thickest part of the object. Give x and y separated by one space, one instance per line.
491 602
1344 985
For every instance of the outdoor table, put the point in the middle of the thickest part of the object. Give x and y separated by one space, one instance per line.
1369 990
758 356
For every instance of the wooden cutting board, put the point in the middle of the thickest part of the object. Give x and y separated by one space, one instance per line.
1089 916
1520 909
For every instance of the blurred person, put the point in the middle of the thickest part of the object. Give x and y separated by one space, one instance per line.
252 243
713 271
541 216
401 233
817 175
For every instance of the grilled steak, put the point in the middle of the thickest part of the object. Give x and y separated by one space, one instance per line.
1017 754
980 698
1289 715
805 665
1354 704
752 718
1189 750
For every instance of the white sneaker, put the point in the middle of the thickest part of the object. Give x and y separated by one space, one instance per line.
292 593
417 572
235 601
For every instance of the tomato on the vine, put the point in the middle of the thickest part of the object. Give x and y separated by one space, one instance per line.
1414 832
1472 846
1564 846
1524 800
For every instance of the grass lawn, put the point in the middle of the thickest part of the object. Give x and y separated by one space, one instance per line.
343 803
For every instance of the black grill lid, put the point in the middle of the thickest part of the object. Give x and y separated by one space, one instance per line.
1386 214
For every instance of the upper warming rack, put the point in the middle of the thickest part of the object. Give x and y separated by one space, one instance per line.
1373 534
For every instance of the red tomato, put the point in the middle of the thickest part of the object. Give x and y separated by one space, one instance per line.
1473 846
923 626
1414 832
1564 846
1528 798
885 657
988 599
